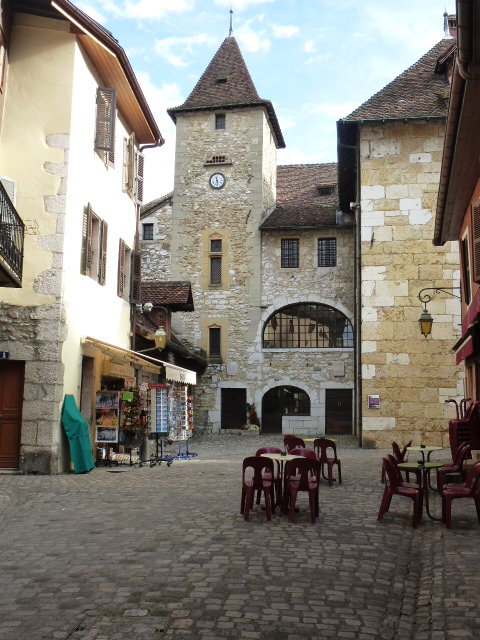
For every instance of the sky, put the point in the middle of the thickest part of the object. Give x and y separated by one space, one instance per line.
315 60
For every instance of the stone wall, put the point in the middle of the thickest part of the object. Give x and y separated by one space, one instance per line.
400 167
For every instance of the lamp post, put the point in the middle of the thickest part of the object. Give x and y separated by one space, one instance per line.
425 321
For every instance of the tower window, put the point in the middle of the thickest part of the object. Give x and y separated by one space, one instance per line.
214 342
327 252
216 261
219 121
290 254
148 231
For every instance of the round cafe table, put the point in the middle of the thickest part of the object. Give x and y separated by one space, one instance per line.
280 459
427 449
425 468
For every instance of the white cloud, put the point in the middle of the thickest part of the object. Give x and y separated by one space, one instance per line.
309 47
285 31
240 5
174 49
252 41
146 9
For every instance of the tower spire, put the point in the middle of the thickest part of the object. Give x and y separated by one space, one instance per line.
446 30
231 23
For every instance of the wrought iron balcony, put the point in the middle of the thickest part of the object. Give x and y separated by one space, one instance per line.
12 232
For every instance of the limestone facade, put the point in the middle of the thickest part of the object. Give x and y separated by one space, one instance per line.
400 168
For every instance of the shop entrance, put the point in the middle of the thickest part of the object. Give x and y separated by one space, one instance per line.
234 413
338 412
12 375
283 401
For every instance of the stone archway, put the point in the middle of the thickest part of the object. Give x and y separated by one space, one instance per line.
281 401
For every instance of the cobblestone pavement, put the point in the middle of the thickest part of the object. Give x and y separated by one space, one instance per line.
161 552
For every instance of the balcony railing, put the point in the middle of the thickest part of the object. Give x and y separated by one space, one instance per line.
12 232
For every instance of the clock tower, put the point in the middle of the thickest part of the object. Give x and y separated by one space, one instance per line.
225 186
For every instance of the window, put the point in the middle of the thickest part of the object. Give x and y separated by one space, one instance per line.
465 257
476 240
219 121
105 120
290 254
148 231
124 260
94 246
327 252
217 160
307 326
214 342
216 261
132 170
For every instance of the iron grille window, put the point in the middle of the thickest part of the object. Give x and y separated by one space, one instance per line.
216 246
219 121
466 270
148 231
214 342
215 271
308 326
327 252
290 254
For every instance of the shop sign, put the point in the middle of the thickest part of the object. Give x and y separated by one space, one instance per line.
117 370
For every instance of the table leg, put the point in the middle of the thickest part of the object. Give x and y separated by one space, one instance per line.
425 491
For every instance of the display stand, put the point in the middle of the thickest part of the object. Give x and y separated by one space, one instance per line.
157 416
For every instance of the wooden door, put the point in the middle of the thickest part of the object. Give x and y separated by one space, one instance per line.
338 412
234 412
12 375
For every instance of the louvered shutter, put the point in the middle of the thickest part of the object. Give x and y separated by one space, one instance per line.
128 168
139 181
10 187
476 240
136 282
86 266
105 121
121 269
103 253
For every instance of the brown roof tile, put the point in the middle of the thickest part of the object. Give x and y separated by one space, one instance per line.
177 296
418 92
299 202
226 84
148 207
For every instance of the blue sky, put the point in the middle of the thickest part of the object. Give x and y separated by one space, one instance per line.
316 60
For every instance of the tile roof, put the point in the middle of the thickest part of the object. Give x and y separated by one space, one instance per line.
147 208
177 296
226 84
299 203
418 92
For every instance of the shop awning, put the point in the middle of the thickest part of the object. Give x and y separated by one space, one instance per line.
464 348
152 365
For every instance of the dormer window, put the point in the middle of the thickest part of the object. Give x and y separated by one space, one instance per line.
219 121
326 189
221 78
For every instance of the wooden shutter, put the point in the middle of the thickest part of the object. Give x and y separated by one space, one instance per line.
86 266
128 167
476 240
139 178
121 269
103 253
136 279
105 121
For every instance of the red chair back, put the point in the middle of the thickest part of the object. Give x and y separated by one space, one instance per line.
398 454
291 442
304 452
302 474
322 446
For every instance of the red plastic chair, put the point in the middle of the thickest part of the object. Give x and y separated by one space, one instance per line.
468 489
394 488
304 452
401 481
302 474
290 442
322 446
457 466
400 456
277 478
257 468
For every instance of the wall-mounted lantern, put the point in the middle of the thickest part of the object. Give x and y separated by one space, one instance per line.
425 321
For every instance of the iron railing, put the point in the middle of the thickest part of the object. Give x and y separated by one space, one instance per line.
12 233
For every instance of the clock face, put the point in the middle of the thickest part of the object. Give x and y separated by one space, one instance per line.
217 180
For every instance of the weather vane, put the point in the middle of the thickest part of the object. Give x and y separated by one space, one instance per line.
231 22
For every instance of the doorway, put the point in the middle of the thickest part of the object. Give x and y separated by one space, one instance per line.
234 412
12 375
283 401
338 412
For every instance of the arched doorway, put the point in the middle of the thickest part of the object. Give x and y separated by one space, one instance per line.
283 401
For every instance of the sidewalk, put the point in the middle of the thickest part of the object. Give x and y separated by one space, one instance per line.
161 552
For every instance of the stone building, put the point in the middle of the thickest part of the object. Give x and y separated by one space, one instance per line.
389 154
269 261
69 326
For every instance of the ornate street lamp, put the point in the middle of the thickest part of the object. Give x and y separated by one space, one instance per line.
425 321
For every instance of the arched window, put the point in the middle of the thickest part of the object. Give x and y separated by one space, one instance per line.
307 326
